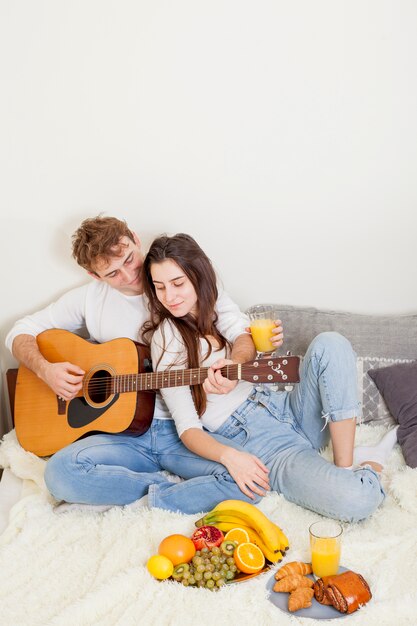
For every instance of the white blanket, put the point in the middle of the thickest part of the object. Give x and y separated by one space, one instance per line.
84 568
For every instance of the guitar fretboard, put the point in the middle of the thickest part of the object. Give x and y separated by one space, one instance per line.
168 378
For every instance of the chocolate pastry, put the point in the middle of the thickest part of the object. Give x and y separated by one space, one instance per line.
346 592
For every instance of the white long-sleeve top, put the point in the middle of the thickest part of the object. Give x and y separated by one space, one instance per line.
108 314
177 402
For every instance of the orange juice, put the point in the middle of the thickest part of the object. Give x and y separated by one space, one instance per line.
261 330
325 555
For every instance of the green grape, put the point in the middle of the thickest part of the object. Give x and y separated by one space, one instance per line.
197 553
204 551
216 576
216 550
201 583
197 560
185 582
215 559
220 582
198 576
230 560
186 575
230 575
201 567
191 580
223 558
210 584
233 568
207 575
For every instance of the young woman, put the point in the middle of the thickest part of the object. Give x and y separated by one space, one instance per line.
252 431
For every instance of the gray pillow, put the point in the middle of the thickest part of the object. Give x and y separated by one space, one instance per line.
398 385
382 336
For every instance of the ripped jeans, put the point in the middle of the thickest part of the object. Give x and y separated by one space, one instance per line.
285 429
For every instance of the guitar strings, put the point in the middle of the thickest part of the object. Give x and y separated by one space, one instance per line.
102 383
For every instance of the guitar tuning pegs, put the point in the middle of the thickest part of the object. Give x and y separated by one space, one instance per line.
288 352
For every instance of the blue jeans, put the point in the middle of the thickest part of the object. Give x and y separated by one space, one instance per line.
284 429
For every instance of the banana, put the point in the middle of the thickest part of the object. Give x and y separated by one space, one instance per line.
236 520
285 544
275 540
269 532
240 505
274 557
251 516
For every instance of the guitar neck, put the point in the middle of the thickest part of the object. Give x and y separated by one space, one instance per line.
169 378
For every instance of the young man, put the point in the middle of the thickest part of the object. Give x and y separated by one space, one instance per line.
110 306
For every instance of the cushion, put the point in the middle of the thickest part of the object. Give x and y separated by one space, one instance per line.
381 336
374 407
398 385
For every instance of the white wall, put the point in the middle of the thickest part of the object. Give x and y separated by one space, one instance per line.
282 135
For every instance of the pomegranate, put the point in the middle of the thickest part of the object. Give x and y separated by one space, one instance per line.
207 537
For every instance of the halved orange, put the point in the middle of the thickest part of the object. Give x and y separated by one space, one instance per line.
249 558
239 535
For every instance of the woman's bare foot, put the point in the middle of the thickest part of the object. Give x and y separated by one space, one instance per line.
375 466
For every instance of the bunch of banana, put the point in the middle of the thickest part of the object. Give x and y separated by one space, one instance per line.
261 530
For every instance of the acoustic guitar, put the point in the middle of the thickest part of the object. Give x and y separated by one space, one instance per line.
118 392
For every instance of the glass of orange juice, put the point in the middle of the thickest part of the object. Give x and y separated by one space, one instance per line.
325 545
262 321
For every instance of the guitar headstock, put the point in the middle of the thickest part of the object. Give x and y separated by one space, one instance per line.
281 369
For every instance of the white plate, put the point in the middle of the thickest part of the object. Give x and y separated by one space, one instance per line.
315 611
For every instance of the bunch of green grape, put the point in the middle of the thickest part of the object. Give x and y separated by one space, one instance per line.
210 569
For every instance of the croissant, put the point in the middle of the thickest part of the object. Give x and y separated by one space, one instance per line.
295 567
300 598
347 592
289 583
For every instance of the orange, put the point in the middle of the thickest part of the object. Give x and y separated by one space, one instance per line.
160 567
239 535
249 558
177 548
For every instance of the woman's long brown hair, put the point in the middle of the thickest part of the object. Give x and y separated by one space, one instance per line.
196 265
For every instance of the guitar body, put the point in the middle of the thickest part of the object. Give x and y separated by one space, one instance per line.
45 424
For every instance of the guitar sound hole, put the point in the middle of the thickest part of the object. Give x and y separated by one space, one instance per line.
99 386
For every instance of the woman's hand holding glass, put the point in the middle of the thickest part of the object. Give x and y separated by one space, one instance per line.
277 337
249 473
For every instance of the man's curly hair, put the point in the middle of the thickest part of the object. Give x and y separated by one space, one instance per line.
99 238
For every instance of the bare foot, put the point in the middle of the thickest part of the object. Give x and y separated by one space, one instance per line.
375 466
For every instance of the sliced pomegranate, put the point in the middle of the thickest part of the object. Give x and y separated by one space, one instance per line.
207 537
